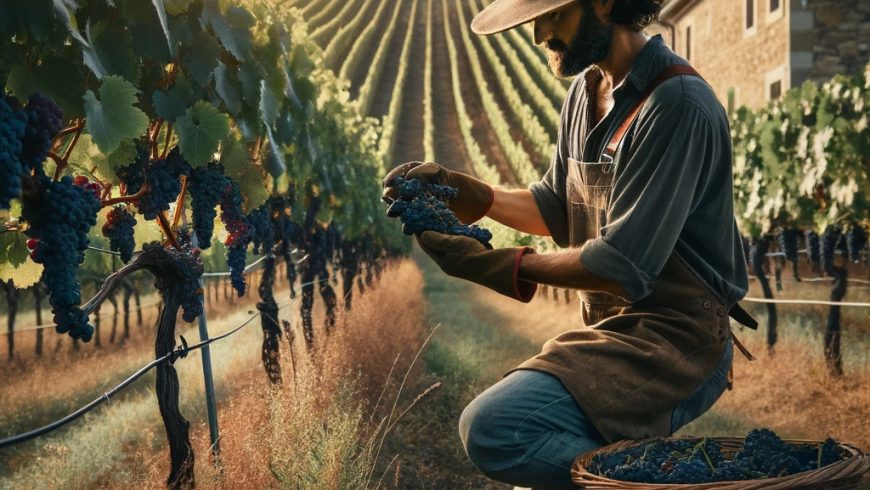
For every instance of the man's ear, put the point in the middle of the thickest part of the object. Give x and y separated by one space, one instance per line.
603 8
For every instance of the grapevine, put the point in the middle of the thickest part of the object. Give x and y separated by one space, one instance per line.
856 241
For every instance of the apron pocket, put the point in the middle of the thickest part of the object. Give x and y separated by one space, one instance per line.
705 395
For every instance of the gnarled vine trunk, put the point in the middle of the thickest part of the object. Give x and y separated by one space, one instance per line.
269 320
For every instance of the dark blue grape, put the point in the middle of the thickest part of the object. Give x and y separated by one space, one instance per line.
206 186
813 247
240 234
44 121
788 243
61 215
424 207
119 230
12 130
856 241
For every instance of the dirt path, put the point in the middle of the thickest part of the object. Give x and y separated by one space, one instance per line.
409 133
384 90
362 70
450 150
481 130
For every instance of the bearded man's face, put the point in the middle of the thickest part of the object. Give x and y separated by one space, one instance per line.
575 38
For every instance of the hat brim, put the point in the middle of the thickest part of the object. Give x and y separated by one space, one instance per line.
502 15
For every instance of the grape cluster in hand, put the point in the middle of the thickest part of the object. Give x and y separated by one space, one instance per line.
694 461
60 217
424 207
119 230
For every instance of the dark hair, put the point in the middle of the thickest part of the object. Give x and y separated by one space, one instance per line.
636 14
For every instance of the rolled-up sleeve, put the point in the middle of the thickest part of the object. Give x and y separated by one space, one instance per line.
661 179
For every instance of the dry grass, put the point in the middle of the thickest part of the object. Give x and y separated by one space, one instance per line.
317 432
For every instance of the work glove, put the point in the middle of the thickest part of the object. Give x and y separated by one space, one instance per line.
471 203
467 258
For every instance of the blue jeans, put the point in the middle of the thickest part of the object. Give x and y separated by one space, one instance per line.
527 430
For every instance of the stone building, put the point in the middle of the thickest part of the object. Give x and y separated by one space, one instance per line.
751 51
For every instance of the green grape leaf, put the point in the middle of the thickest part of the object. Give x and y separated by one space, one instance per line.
234 157
273 161
200 130
252 185
110 51
160 7
13 248
113 118
175 7
169 105
201 57
226 88
269 105
65 9
233 31
25 275
58 77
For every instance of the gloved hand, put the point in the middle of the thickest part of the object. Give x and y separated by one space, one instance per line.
467 258
473 201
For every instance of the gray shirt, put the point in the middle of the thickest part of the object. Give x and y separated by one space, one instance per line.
673 186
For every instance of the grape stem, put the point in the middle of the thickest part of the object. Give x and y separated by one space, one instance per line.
125 199
166 142
700 446
157 125
61 162
179 203
167 229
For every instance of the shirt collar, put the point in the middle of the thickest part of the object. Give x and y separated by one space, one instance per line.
641 70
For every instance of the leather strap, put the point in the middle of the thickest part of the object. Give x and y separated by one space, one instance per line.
669 72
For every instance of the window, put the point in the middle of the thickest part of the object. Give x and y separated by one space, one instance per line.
750 14
689 43
774 11
775 90
750 26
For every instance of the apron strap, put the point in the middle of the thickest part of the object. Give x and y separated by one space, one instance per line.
669 72
743 317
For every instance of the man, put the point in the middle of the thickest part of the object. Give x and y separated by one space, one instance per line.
640 189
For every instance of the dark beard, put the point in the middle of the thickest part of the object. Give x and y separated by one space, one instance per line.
590 45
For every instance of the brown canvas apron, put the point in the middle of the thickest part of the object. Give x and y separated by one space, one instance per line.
638 360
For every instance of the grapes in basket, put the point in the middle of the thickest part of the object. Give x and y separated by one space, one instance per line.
688 460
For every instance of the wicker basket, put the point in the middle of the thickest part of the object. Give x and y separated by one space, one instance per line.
844 474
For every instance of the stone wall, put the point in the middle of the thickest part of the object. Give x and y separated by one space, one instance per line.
734 60
829 37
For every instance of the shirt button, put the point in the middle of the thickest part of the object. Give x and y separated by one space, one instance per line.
707 304
720 311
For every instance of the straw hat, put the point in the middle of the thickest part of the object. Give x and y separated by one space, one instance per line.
502 15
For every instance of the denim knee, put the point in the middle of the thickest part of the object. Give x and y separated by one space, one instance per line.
488 442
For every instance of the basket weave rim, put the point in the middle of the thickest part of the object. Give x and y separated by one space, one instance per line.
853 466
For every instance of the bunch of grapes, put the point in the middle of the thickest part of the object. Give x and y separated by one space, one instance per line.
44 121
262 229
119 230
191 269
239 234
60 216
788 243
856 241
206 187
12 130
695 461
758 253
162 178
812 239
830 239
424 207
